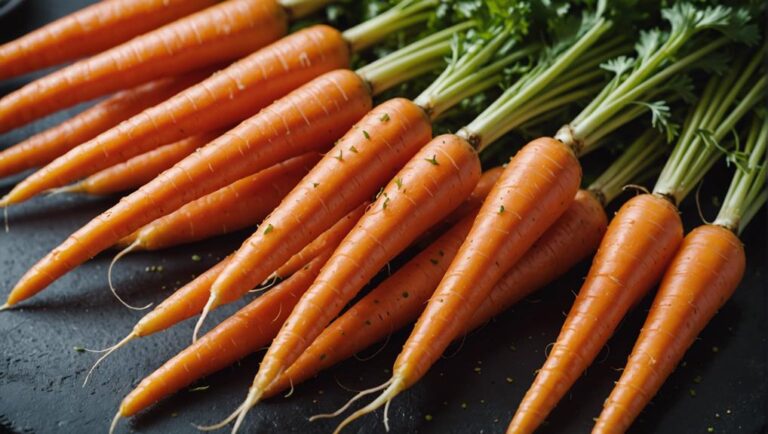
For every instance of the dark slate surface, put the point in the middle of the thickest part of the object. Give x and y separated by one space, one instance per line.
721 384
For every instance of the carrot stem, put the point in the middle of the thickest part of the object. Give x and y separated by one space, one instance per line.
639 157
405 14
747 182
491 125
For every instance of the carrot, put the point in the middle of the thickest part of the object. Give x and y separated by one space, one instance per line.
403 210
358 165
315 115
89 31
190 299
400 299
639 244
140 169
239 205
225 344
701 277
223 32
44 147
223 99
241 90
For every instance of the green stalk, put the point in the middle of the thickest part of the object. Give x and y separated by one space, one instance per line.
410 61
301 8
490 125
639 158
405 14
755 205
747 182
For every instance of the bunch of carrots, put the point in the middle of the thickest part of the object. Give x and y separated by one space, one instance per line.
220 116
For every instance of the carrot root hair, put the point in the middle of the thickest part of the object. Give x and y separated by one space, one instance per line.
268 283
5 219
396 385
199 324
72 188
223 423
254 395
354 399
117 257
115 420
108 351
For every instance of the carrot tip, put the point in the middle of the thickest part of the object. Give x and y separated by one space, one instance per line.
113 425
108 351
254 395
350 402
208 306
74 188
396 385
6 306
223 423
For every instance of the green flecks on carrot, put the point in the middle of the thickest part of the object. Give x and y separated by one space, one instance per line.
366 135
353 149
384 117
269 229
432 160
340 157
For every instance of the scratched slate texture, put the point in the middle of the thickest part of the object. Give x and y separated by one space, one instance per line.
474 389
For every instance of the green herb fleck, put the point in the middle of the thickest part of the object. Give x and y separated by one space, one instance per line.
268 229
715 349
697 379
399 182
340 157
428 418
353 149
367 136
433 261
199 389
463 405
433 160
501 209
692 392
710 429
196 258
79 349
510 380
384 117
315 184
386 201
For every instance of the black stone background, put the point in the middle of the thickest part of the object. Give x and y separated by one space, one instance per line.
721 384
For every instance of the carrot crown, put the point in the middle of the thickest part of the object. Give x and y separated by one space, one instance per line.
524 99
707 124
746 193
637 162
656 70
404 14
411 61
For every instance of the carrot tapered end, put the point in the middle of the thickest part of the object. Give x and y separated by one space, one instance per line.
6 306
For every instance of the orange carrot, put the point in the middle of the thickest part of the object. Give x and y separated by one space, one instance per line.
44 147
223 32
239 205
308 119
357 166
190 299
702 276
90 30
404 209
226 97
621 273
225 344
400 299
141 169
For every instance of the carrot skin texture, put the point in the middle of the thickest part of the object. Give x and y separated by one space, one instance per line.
341 181
223 32
46 146
225 344
143 168
386 309
431 185
254 145
225 98
639 244
90 30
702 276
331 237
239 205
535 189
